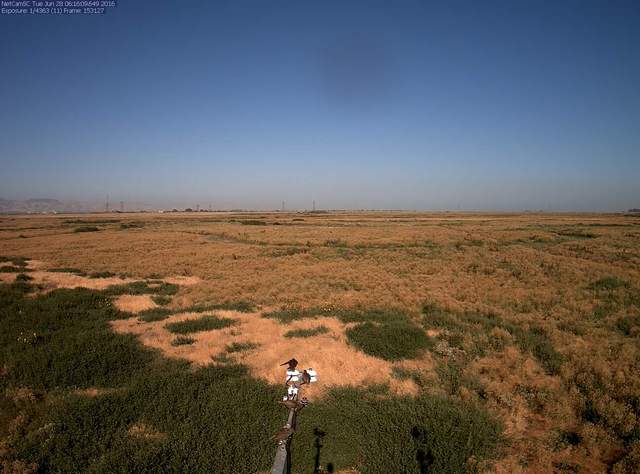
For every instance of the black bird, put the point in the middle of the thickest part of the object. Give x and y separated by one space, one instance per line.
292 363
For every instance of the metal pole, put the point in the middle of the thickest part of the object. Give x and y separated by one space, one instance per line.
295 379
281 461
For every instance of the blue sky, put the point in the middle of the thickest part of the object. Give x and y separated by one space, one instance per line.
413 105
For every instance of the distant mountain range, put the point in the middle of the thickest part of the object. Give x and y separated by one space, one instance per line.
44 205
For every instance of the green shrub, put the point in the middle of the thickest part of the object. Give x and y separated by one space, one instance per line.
477 326
286 316
383 316
608 284
101 275
182 341
161 300
573 327
74 348
451 376
438 318
132 225
142 288
222 358
241 347
91 221
252 222
402 373
77 271
204 323
11 269
629 325
289 251
307 332
23 277
155 314
240 306
538 344
86 228
377 433
200 414
16 261
579 234
392 341
537 399
385 333
335 243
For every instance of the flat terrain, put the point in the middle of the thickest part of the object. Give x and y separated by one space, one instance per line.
444 342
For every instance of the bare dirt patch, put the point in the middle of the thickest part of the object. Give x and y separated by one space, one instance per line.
337 363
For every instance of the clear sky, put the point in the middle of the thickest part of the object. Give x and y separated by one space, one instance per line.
392 104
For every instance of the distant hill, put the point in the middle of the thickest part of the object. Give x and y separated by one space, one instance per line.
43 205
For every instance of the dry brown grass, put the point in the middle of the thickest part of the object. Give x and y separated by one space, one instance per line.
529 269
338 363
383 263
51 280
134 303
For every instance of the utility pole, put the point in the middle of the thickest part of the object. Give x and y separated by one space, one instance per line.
197 207
314 205
210 207
106 205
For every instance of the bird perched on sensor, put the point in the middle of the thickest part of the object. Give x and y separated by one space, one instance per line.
292 363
